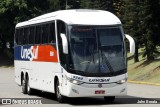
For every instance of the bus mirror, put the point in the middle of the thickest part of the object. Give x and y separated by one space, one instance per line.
64 43
131 43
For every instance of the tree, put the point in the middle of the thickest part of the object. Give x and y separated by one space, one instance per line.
109 5
140 18
54 5
150 27
8 15
86 4
74 4
131 17
117 4
14 11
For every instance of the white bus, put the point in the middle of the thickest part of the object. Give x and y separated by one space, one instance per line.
72 53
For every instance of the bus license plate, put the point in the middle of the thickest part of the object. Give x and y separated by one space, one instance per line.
100 92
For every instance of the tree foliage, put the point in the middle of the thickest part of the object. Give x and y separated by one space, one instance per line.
151 27
140 17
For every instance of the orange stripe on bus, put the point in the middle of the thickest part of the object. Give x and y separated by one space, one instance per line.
46 53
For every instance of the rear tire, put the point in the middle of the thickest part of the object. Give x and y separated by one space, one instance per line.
60 98
24 86
29 89
109 99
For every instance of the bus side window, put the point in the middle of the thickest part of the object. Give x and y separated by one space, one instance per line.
45 28
32 34
43 33
20 38
16 36
61 29
38 35
52 38
47 33
25 36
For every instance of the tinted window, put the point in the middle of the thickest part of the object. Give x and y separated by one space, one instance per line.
31 35
61 29
52 33
16 36
20 38
38 35
25 37
45 31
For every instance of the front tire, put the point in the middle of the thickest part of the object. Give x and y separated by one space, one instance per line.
109 99
60 98
24 86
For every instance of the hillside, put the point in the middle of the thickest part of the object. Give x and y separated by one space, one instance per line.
145 71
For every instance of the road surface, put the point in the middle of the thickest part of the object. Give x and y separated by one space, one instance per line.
9 89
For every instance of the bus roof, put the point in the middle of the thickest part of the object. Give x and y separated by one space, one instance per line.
76 16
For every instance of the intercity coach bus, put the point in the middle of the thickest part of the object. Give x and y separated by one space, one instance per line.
72 53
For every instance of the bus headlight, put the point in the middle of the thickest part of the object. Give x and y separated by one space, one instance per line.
74 81
122 81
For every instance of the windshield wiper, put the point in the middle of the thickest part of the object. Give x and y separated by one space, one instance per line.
107 62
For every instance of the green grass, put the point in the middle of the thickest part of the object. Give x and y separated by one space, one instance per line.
146 71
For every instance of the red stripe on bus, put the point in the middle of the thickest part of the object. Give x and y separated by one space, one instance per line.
46 53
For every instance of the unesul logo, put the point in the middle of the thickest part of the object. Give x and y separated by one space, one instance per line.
29 53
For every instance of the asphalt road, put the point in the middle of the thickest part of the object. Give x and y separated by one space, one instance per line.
9 89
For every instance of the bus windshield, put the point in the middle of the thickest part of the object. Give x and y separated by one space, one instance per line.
96 50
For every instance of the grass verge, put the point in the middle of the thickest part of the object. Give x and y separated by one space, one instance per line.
144 71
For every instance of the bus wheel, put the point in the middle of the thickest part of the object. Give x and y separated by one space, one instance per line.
29 89
109 99
24 86
59 97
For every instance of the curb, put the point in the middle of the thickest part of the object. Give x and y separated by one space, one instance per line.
147 83
6 66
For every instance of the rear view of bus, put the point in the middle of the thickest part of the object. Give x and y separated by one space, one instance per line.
91 55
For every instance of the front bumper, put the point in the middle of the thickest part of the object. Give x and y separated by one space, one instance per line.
88 90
